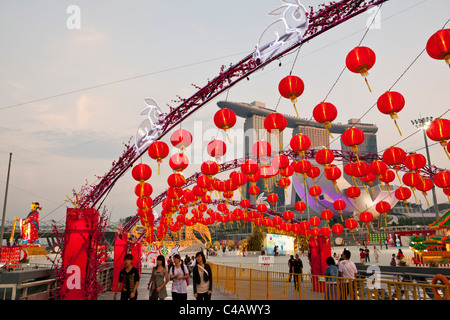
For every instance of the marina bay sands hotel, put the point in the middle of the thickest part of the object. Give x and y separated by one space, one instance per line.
254 114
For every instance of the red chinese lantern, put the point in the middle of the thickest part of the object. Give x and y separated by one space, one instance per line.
254 191
291 87
272 198
209 168
314 221
412 180
143 190
326 215
415 161
284 183
277 220
261 207
280 161
394 157
324 157
225 119
287 172
383 207
333 173
387 178
275 123
438 45
439 130
353 137
315 191
144 203
141 172
366 217
288 215
378 167
175 193
325 113
302 166
181 139
249 167
313 173
296 228
353 192
216 148
442 180
325 231
337 228
267 222
239 179
351 224
361 60
305 225
178 162
403 194
391 102
300 206
300 143
424 186
158 150
339 205
348 169
267 172
176 180
262 149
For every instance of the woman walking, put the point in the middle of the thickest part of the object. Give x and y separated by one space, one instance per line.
202 278
159 278
179 274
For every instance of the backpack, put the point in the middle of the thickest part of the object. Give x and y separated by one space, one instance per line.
172 267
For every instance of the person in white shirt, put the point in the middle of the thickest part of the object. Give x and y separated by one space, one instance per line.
347 269
179 273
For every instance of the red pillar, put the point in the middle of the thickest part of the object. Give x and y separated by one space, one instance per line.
78 251
136 252
120 250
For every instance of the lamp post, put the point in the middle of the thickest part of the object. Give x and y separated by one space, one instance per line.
422 123
2 228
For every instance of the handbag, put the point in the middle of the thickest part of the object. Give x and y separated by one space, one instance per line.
153 293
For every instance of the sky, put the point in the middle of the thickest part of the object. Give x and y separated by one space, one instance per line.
73 83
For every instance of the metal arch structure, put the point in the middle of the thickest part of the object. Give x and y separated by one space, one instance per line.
340 155
320 21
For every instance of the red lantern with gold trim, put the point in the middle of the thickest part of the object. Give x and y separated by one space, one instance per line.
383 207
178 162
141 172
339 205
324 157
300 143
361 60
291 87
391 103
275 123
438 45
439 130
325 113
337 228
158 150
353 137
333 173
225 119
216 148
403 194
326 215
424 186
181 139
262 149
366 217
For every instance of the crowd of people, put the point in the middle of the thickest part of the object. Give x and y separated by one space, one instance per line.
177 271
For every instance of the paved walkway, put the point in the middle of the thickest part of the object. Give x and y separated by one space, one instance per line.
143 293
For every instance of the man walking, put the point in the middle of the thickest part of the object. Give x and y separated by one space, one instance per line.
297 268
128 280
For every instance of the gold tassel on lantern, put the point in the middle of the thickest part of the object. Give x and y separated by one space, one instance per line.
294 100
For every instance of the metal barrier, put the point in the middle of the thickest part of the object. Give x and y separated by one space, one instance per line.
258 284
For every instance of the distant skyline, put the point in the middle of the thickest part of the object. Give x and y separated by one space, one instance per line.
70 98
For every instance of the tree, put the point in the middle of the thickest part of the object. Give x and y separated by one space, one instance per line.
256 239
